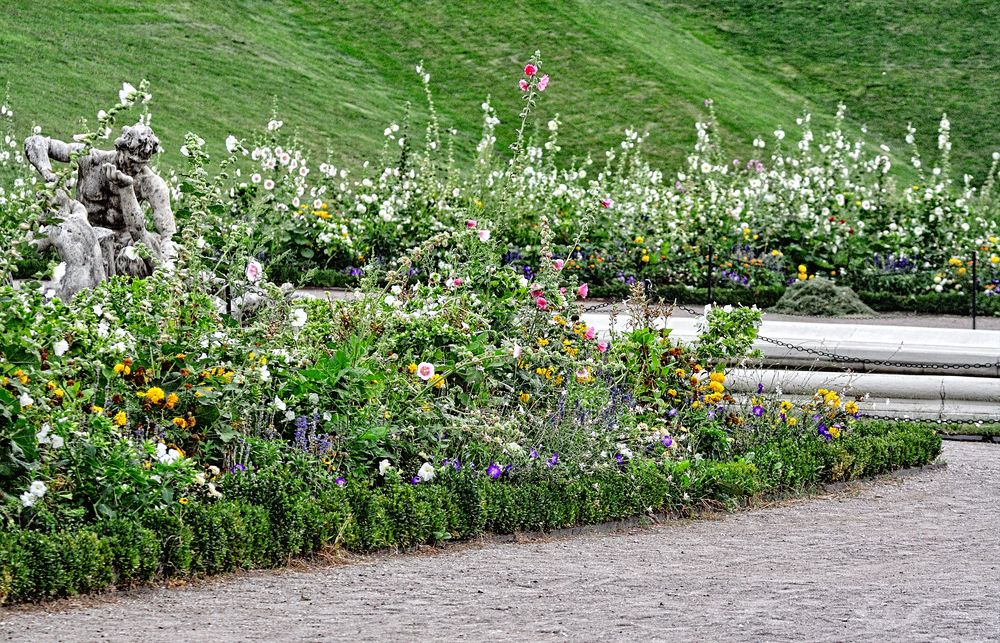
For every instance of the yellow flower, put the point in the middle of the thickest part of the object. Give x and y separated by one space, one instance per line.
851 407
834 431
524 397
437 380
786 406
118 368
183 501
154 395
672 392
717 376
172 400
21 377
639 240
181 422
680 372
120 418
792 421
96 410
645 258
802 268
994 259
182 356
716 387
412 368
542 341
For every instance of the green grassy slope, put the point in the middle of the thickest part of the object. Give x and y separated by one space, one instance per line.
341 71
891 61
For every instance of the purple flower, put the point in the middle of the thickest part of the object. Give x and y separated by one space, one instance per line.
667 441
415 480
553 461
758 410
341 482
620 459
760 388
533 454
456 464
494 471
672 412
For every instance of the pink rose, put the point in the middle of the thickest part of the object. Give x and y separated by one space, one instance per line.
541 303
530 70
543 82
591 332
602 347
523 84
582 291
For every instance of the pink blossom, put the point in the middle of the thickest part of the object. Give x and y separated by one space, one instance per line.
582 291
591 332
558 264
562 291
484 235
602 347
543 82
517 352
530 70
523 84
535 290
254 271
607 202
458 281
541 303
425 370
471 223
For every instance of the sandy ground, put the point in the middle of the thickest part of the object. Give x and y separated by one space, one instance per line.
908 559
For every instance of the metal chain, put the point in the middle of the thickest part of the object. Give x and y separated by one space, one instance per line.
875 362
943 421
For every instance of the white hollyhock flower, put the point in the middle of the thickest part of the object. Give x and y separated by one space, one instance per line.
60 347
298 318
231 143
125 94
383 466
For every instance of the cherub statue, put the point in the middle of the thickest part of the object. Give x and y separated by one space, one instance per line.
110 187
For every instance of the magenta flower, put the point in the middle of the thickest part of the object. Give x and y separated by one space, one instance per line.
591 332
530 70
607 203
558 264
543 82
602 347
583 291
471 223
523 84
541 303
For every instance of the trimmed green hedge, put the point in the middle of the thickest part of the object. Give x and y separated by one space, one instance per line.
268 518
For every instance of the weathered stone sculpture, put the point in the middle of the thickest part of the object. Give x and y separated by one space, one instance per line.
109 190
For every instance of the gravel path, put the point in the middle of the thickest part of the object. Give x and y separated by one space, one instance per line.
915 558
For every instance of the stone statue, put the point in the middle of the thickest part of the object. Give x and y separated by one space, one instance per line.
109 190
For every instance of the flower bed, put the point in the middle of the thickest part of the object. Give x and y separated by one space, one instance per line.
146 432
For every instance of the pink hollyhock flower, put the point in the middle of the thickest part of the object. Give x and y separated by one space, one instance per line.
471 223
543 82
541 303
582 291
607 203
254 271
484 235
591 332
602 347
558 264
517 352
562 291
425 370
535 290
530 70
458 281
523 84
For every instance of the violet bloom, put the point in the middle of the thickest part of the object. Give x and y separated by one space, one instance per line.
667 441
458 465
760 388
415 480
672 412
553 461
494 471
533 454
758 410
341 482
620 459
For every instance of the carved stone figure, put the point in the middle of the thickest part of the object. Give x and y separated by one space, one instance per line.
78 245
110 188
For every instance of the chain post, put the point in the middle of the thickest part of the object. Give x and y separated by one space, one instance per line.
975 287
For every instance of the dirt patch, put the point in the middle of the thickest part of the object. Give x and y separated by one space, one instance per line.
912 558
